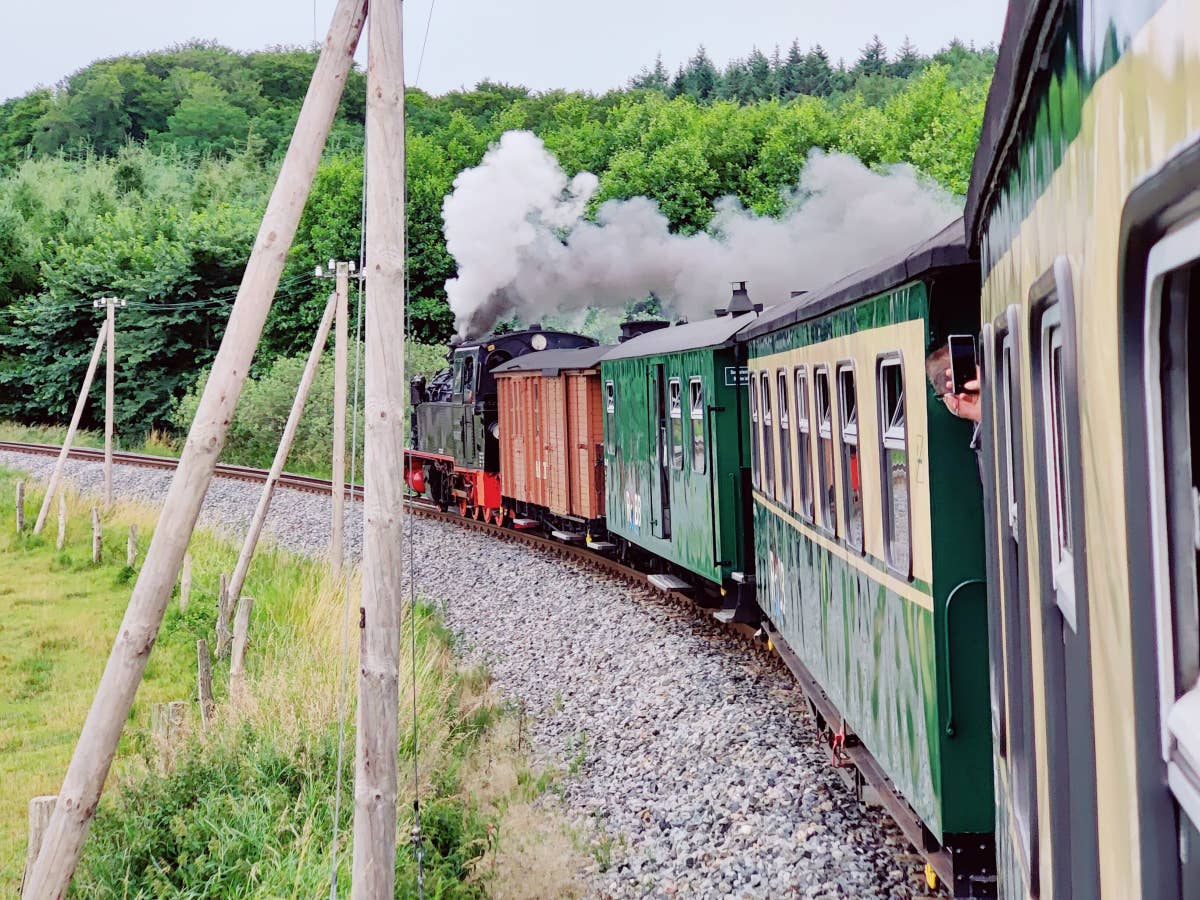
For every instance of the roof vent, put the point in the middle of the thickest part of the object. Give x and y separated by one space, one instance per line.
740 303
632 329
796 294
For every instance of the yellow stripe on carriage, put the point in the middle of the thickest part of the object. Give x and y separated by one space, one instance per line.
893 583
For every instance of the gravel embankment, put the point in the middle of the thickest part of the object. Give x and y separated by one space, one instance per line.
686 748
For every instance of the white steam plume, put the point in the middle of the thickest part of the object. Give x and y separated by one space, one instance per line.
515 226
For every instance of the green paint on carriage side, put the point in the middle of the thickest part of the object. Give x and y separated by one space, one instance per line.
707 514
912 682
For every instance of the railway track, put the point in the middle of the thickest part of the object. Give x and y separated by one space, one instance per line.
313 485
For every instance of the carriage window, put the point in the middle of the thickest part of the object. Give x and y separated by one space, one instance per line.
610 409
755 478
893 442
1053 415
696 405
676 425
768 437
1172 378
469 379
828 500
851 475
804 494
785 441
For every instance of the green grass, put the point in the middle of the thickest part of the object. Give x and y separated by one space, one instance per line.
246 810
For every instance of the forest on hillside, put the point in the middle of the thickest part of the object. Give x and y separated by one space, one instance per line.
145 177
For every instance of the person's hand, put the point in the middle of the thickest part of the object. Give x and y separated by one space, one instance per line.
967 404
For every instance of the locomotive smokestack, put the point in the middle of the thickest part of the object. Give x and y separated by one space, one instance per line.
739 303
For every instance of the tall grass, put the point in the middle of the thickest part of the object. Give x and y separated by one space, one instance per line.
246 809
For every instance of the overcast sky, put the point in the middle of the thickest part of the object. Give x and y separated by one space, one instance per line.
537 43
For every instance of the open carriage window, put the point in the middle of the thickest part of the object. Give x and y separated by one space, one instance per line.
893 454
785 439
828 501
851 473
768 436
804 492
676 424
610 409
755 475
696 407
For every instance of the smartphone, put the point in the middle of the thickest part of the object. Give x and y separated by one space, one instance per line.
962 361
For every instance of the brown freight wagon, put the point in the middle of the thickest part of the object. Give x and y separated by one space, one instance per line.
552 441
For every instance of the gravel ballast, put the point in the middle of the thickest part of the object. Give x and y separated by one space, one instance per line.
686 752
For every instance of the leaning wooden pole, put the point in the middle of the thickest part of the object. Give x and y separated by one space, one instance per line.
281 453
375 771
89 766
337 551
80 405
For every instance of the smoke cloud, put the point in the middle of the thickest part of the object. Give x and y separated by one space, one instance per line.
515 225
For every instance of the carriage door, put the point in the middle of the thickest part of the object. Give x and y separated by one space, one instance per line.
660 490
1012 554
1066 669
1172 391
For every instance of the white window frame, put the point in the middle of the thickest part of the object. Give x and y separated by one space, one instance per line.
696 390
849 432
803 427
755 449
1062 563
675 412
825 433
1179 716
768 432
894 437
610 397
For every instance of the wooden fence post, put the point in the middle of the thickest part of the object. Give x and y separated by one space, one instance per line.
166 720
131 547
83 783
20 507
185 583
40 810
97 536
80 404
224 610
204 683
241 633
62 522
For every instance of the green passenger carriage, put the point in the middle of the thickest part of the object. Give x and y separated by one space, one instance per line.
868 533
676 453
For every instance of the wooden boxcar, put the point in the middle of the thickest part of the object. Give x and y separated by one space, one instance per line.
552 440
1085 209
676 452
868 532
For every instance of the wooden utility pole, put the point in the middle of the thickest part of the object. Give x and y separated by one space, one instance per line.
375 771
80 405
281 453
110 305
338 476
84 781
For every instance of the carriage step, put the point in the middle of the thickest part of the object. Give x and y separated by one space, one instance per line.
725 616
666 582
569 536
523 524
601 546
